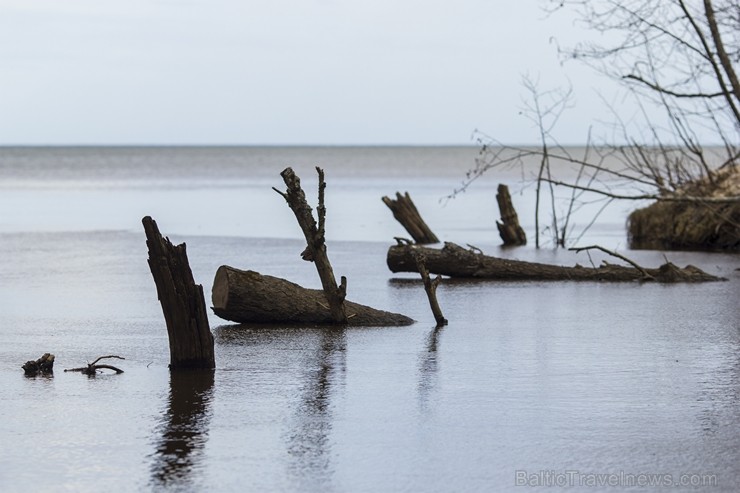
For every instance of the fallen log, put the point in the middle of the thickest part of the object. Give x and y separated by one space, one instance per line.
250 297
407 214
455 261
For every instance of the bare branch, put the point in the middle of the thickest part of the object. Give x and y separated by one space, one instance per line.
663 90
661 198
720 46
617 255
107 357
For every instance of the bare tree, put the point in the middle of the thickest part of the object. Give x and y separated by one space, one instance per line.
676 56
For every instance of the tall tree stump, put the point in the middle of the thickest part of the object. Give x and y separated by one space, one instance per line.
183 304
407 214
508 228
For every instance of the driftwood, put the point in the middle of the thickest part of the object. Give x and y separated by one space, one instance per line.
455 261
92 368
44 365
250 297
430 286
183 304
407 214
316 242
508 228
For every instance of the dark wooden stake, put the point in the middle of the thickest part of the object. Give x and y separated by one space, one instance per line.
316 242
508 228
183 304
430 286
407 214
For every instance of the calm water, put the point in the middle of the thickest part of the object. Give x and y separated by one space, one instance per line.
551 382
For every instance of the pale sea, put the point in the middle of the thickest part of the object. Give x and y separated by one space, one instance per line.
532 386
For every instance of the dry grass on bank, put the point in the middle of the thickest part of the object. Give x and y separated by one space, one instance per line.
692 225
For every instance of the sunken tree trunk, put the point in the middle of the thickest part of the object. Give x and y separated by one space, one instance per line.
508 228
183 304
250 297
407 214
455 261
316 241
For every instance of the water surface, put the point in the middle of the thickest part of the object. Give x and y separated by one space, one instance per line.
527 377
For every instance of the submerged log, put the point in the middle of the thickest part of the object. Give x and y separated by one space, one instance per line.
250 297
183 304
455 261
508 228
407 214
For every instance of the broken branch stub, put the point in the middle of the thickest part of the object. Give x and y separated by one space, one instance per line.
407 214
183 304
430 286
315 240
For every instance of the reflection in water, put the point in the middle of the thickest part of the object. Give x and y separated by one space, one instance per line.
718 394
184 429
428 368
308 440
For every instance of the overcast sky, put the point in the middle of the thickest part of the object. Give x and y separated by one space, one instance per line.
280 71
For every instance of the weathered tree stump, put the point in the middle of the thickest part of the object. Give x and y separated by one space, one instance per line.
250 297
455 261
316 242
407 214
44 365
508 228
183 304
